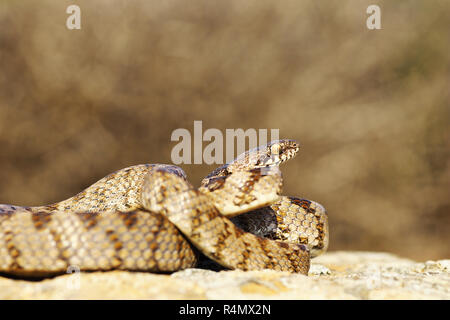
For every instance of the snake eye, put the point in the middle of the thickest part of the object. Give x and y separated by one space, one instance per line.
275 149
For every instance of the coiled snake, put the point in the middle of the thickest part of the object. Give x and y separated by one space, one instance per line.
150 218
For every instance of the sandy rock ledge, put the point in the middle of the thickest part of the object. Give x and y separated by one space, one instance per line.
335 275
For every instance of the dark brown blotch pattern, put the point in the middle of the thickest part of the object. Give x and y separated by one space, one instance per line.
169 250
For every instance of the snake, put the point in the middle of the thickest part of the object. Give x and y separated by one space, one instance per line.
149 218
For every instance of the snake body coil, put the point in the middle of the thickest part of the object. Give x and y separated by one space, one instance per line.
150 218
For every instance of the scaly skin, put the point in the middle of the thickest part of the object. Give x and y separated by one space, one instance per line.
146 218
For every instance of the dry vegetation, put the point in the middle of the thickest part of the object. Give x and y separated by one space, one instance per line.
371 108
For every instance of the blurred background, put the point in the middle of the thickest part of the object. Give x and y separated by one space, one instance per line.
371 108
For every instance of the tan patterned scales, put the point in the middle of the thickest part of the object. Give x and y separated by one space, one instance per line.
150 218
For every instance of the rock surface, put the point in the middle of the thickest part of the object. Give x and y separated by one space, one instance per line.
335 275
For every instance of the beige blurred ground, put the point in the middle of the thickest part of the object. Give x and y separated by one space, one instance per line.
370 108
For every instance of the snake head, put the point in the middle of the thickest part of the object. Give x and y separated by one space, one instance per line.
271 154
